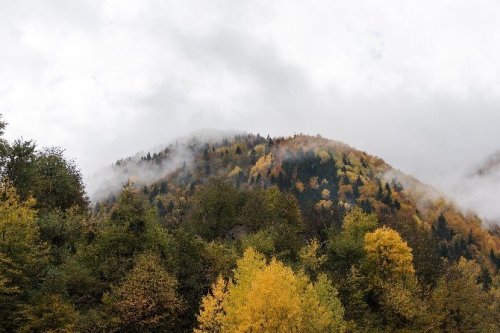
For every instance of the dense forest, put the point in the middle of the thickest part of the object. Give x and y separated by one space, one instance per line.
245 234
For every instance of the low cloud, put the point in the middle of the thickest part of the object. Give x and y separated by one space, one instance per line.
138 169
143 170
478 190
414 83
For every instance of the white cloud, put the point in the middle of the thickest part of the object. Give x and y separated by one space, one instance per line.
414 82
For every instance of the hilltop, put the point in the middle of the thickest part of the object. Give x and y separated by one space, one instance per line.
327 177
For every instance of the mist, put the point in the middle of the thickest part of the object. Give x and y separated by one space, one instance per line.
414 83
137 169
481 182
142 170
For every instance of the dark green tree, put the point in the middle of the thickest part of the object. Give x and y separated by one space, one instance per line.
20 166
58 183
215 205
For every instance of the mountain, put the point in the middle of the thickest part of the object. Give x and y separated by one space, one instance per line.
240 233
327 177
218 188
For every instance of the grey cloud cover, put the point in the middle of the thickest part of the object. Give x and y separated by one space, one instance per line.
416 83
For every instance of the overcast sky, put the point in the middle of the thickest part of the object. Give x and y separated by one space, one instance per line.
414 82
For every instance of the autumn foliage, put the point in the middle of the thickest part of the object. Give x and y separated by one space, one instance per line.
245 234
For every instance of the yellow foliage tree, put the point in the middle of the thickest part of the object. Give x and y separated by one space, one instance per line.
300 186
212 316
310 258
270 297
50 313
146 299
18 230
388 254
323 155
262 165
313 182
23 256
389 264
235 172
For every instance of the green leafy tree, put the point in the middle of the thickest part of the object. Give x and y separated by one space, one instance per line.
459 303
3 145
286 224
215 208
20 166
194 266
52 180
263 241
63 231
347 248
58 182
131 229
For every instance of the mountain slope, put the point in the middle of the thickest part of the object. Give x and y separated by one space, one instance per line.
328 178
303 165
401 255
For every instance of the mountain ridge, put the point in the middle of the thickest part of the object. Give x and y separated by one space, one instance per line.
250 160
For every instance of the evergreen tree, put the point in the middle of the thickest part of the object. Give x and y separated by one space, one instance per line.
161 208
442 230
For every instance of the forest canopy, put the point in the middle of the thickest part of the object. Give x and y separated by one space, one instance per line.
251 234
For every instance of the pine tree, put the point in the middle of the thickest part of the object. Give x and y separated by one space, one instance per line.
442 230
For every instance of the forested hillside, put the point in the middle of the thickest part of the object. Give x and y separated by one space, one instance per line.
240 234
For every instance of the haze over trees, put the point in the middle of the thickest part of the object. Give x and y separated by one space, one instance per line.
251 234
